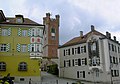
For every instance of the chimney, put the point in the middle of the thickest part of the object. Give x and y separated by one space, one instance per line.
114 38
81 33
109 35
92 28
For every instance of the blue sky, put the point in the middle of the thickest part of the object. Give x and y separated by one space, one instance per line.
75 15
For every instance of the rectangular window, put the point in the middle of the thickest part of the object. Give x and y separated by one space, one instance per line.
3 47
115 49
76 62
118 50
33 32
97 73
72 62
78 50
110 59
38 47
84 49
32 48
67 63
24 32
112 47
75 50
77 74
83 74
83 61
72 51
4 32
53 33
112 73
79 62
24 48
68 51
2 66
114 60
64 52
52 30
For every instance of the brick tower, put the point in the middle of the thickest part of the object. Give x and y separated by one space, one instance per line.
51 36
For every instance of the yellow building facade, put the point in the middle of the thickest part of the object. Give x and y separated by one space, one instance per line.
20 48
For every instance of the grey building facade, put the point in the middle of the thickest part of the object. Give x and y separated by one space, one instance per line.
92 57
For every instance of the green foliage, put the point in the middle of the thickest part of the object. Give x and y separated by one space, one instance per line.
53 69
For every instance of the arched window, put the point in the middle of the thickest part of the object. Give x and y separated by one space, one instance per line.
2 66
22 66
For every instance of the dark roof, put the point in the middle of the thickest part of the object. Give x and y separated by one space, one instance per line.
81 39
12 21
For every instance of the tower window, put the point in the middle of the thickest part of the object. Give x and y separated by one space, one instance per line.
53 33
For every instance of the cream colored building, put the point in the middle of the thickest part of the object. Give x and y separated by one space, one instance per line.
93 57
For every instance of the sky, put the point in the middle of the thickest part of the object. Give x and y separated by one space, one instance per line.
75 15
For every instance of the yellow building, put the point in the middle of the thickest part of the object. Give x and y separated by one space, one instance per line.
20 48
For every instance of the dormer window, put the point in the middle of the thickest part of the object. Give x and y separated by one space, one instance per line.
19 19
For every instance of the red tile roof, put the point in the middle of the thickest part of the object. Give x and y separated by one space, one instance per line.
81 39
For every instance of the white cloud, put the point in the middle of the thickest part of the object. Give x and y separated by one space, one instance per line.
75 15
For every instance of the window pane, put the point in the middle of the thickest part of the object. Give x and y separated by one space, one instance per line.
24 32
4 32
24 48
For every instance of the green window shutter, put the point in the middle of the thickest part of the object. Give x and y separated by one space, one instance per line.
8 47
18 47
9 31
29 45
29 32
19 32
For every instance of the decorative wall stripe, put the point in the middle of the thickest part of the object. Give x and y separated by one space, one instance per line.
8 47
29 45
9 31
18 47
29 32
19 32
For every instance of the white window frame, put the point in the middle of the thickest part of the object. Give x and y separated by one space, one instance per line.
32 48
4 32
83 61
3 47
2 66
76 62
33 32
23 66
24 48
38 47
67 63
24 32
